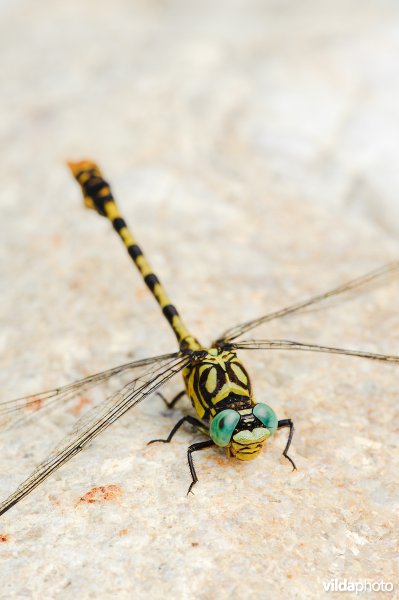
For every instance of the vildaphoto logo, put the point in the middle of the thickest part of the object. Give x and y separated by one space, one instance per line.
358 586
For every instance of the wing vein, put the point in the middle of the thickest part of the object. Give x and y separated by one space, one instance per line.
305 347
238 330
97 420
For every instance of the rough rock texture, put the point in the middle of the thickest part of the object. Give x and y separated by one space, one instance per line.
253 148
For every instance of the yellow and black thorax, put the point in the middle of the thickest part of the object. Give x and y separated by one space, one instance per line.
216 382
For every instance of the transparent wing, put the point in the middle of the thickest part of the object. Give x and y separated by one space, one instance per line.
15 412
98 419
359 282
291 345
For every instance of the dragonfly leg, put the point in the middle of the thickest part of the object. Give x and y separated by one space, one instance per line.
188 419
175 399
191 449
290 424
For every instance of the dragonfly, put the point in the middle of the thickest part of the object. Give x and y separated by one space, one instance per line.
215 379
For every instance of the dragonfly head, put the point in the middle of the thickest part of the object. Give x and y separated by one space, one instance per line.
244 432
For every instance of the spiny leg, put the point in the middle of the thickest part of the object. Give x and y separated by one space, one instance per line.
175 399
290 424
187 419
190 450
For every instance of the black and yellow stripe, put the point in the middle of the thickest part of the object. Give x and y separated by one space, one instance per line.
97 195
216 382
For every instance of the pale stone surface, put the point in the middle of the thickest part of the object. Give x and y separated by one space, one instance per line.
243 140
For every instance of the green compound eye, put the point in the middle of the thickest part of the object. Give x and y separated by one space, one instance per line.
223 425
266 415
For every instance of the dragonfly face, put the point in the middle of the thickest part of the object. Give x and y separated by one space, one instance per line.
220 390
247 445
244 432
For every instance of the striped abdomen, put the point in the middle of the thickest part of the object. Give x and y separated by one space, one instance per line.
97 194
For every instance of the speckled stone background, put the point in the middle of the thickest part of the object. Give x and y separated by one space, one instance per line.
253 147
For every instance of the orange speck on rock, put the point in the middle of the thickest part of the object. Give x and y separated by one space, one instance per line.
4 537
123 531
103 493
75 284
194 544
57 239
34 404
55 500
141 293
220 460
80 403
